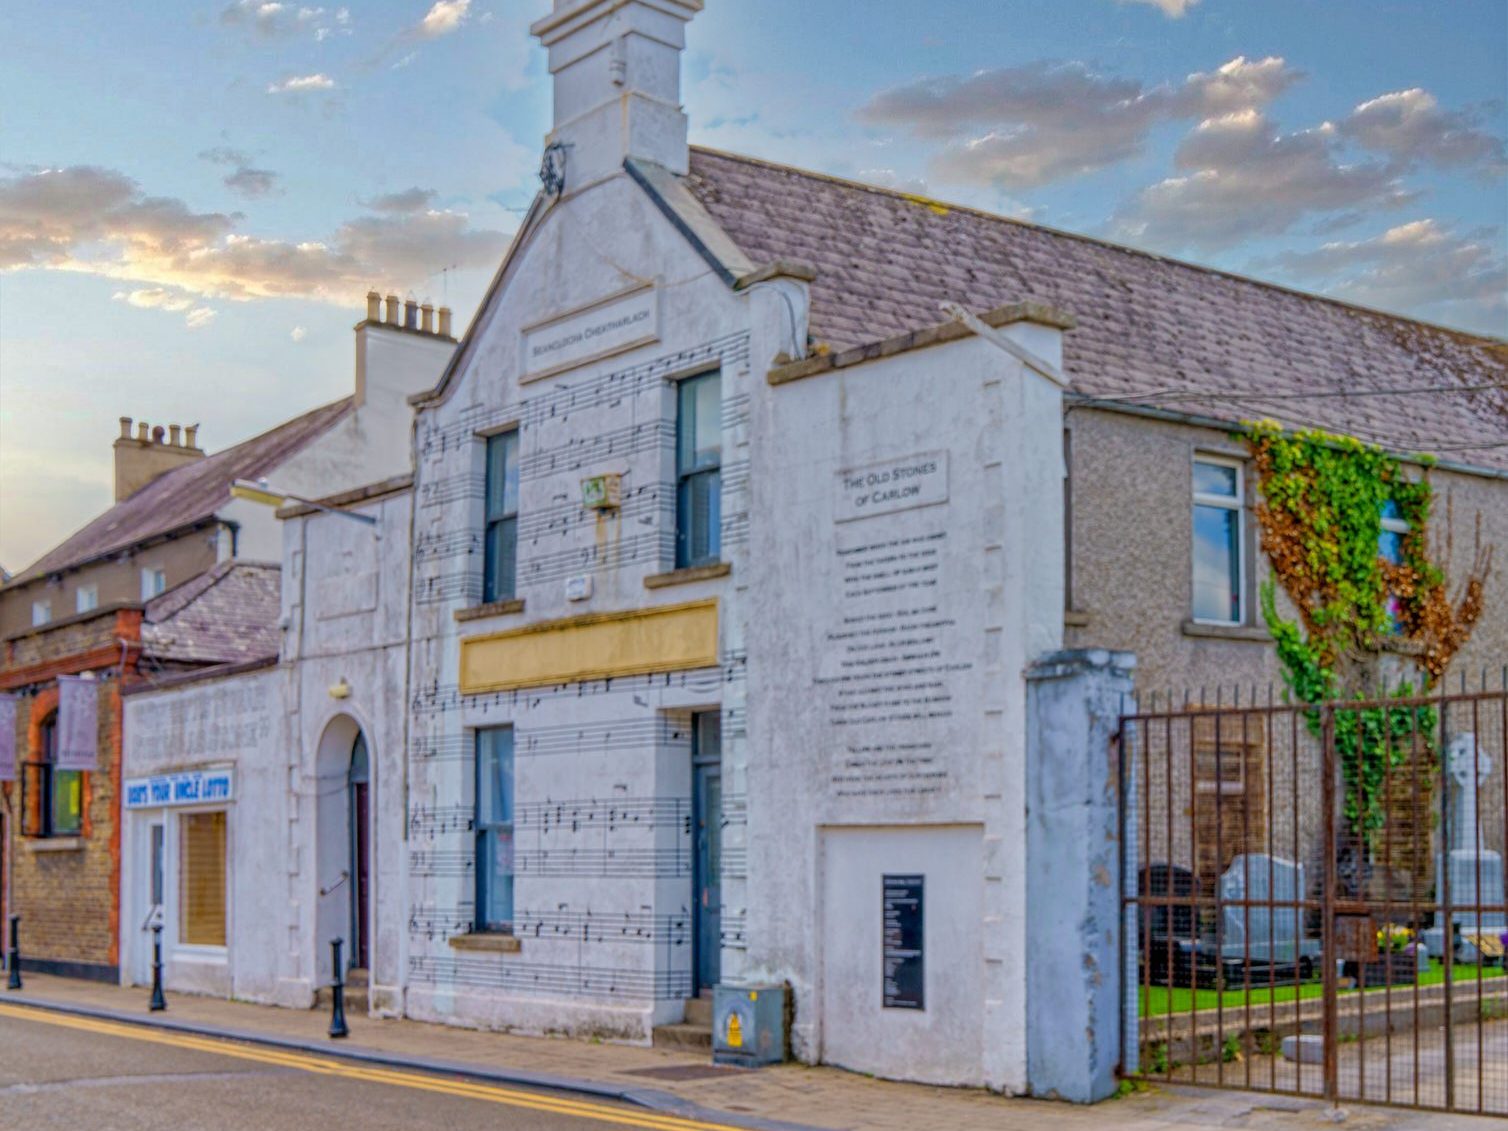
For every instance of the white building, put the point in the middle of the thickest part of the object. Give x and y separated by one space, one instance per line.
263 812
718 649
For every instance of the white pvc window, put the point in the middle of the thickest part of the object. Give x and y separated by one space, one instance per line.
1219 542
153 582
41 612
86 598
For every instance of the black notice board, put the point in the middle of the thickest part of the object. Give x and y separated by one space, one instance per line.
905 981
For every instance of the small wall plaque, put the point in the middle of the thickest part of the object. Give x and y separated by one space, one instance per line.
602 492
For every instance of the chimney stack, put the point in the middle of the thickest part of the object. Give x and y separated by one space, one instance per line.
427 318
444 330
410 314
152 452
392 310
617 71
374 307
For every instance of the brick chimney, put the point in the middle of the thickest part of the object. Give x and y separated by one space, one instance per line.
617 69
150 453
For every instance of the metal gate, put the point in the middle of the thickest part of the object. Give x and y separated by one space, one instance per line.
1314 898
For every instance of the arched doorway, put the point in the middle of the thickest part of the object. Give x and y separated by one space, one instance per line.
357 782
344 846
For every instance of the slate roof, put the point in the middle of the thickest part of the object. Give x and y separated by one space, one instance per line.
186 495
226 615
1150 330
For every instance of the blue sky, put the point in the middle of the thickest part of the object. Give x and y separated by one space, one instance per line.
193 195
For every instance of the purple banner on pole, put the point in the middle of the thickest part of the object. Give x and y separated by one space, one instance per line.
7 738
78 724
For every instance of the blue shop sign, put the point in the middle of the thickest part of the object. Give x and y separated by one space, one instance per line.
195 787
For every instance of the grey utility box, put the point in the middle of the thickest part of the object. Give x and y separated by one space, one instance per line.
748 1025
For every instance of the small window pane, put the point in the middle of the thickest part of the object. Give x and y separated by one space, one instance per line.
67 802
502 475
495 780
1390 546
1217 565
700 431
201 863
1214 479
699 518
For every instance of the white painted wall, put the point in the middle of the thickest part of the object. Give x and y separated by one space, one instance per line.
207 724
588 745
886 664
943 1043
345 604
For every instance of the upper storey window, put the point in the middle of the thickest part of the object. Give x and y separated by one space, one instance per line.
698 469
500 555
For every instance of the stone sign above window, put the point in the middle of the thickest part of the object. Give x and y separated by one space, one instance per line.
611 325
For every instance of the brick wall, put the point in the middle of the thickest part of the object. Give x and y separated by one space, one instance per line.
66 889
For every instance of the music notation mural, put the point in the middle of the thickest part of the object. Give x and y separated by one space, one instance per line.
602 849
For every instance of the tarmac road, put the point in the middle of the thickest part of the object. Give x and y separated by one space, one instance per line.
65 1072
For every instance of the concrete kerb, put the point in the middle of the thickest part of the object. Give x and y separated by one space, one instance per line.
650 1099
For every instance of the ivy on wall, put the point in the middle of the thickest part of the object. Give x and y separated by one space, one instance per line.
1323 498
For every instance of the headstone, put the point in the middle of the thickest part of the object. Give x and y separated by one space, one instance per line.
1475 873
1265 932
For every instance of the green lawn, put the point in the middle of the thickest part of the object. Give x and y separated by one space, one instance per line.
1155 1000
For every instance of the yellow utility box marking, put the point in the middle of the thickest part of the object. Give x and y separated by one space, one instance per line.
735 1032
596 646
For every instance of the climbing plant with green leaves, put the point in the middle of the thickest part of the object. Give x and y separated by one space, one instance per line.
1323 498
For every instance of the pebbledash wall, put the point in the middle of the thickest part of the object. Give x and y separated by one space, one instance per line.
865 660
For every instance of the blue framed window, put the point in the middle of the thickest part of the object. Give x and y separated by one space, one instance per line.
698 470
500 553
494 829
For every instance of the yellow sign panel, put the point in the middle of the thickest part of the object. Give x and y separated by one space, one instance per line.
735 1038
663 639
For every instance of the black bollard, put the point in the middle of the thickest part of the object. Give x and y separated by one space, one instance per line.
338 1008
158 1002
14 960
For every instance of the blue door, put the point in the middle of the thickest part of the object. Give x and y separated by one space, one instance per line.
707 814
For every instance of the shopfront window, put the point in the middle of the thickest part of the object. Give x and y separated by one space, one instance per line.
201 871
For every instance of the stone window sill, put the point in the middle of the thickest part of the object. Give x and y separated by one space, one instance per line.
55 844
491 609
483 940
689 574
1075 618
1227 632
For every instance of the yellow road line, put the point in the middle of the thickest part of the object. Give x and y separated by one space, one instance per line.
491 1093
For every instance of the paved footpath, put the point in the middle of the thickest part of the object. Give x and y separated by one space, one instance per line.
685 1084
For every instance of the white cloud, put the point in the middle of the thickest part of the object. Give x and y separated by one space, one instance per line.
155 298
443 18
98 221
1173 9
1023 127
1411 127
1421 267
172 301
1238 178
298 333
298 84
270 19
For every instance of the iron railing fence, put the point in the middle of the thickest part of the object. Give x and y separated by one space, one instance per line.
1313 895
